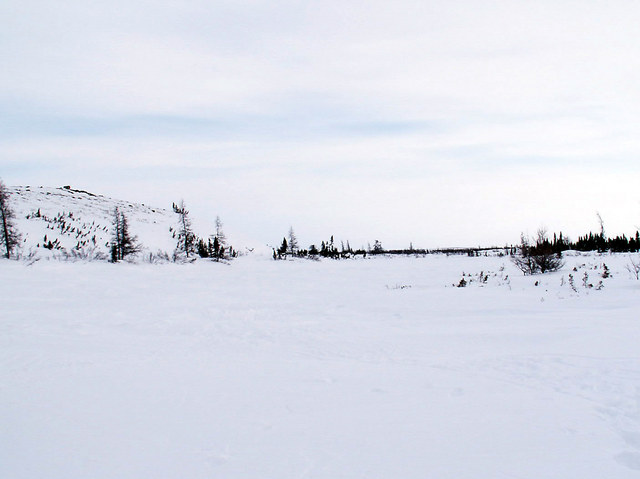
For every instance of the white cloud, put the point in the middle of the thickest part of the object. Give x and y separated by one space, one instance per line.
343 112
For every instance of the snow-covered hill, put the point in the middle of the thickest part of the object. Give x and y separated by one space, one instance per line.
65 221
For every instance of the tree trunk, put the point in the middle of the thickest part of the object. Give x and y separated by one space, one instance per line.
7 239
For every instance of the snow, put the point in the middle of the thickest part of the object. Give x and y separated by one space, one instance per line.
75 217
374 368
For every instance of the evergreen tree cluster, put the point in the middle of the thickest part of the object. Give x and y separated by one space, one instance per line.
327 249
330 249
596 242
215 247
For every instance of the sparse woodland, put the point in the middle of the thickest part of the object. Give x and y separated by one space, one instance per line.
68 236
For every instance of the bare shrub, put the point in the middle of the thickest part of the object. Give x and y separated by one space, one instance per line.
537 258
634 267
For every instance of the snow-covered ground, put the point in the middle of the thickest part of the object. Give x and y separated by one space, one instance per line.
375 368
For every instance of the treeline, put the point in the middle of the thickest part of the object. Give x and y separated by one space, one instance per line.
215 246
543 246
326 249
595 242
330 249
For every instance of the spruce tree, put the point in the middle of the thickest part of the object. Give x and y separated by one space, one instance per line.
293 242
115 237
9 236
186 237
219 241
222 238
203 248
217 250
282 251
122 243
377 248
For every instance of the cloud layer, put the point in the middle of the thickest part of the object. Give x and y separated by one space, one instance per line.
433 122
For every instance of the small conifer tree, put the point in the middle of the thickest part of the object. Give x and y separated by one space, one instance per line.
185 235
9 236
122 243
293 242
282 251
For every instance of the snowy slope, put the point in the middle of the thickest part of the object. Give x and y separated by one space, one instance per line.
375 368
78 222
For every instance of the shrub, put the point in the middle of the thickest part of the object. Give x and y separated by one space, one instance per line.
537 258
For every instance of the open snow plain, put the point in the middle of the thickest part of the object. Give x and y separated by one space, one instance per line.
374 368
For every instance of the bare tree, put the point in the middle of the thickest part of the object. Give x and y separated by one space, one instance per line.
9 236
602 240
634 267
601 222
524 261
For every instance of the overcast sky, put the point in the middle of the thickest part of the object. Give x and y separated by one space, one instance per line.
436 122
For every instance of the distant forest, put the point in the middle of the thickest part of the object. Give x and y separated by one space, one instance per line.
556 245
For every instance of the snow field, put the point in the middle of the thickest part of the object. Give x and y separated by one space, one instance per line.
375 368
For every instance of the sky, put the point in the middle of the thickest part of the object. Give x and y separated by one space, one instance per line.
437 123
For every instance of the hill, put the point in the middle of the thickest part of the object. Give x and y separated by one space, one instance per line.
68 222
